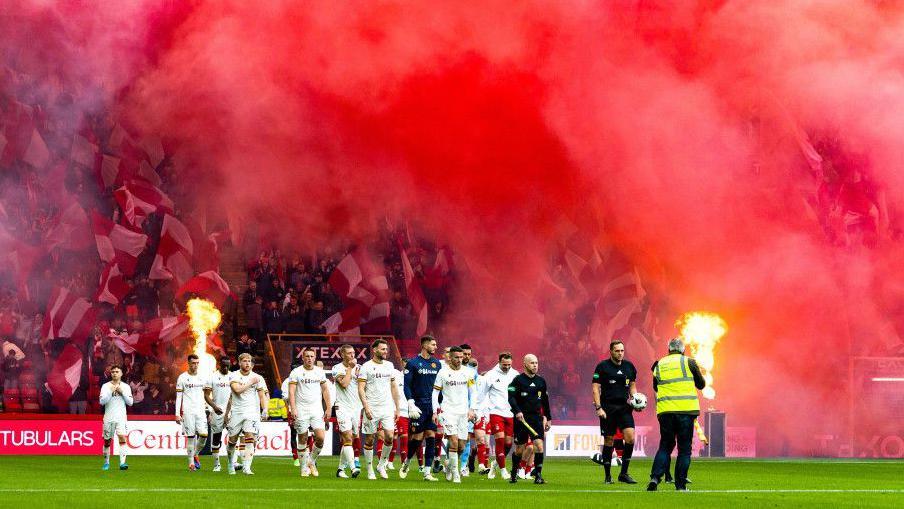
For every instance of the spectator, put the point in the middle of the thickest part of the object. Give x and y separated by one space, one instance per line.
294 317
250 295
273 323
154 404
246 344
314 318
10 370
254 317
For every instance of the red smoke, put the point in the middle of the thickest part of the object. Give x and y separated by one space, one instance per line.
670 131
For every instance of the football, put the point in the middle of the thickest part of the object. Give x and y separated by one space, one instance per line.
639 401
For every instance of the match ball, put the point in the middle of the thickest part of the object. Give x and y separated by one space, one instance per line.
639 401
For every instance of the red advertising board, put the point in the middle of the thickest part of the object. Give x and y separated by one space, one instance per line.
51 436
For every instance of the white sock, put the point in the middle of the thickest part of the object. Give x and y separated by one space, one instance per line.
231 454
216 457
249 455
348 456
122 454
190 449
453 460
315 453
369 458
384 454
200 442
303 457
106 454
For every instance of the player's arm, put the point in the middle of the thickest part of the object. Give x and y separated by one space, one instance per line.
362 383
208 397
409 381
178 405
346 379
327 404
105 394
238 387
265 402
394 390
434 397
292 386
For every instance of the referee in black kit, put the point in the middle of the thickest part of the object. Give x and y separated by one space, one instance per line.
614 382
530 403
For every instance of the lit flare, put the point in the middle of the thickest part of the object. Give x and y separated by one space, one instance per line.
701 332
204 318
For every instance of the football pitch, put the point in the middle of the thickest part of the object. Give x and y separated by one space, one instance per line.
35 482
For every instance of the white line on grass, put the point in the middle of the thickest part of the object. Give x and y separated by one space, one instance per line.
416 490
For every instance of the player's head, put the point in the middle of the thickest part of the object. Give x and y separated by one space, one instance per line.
319 364
246 362
428 344
616 350
348 354
505 361
115 372
308 356
379 349
531 364
225 364
193 362
455 357
467 353
676 345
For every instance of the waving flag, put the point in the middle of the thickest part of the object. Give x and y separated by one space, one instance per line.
117 243
174 253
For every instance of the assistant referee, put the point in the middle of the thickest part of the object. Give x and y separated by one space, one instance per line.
614 382
530 403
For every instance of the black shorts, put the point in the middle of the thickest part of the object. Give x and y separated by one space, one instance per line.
617 417
522 434
425 423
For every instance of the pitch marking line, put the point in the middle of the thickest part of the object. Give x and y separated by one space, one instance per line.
416 490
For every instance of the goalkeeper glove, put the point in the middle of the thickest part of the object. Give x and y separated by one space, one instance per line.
413 411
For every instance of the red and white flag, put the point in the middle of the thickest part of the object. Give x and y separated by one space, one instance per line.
346 321
113 285
68 316
71 230
117 243
22 140
158 333
83 151
174 253
208 285
65 375
415 294
138 198
437 276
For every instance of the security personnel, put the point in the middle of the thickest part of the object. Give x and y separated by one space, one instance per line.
530 403
676 380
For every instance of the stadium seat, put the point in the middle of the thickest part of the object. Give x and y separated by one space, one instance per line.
11 401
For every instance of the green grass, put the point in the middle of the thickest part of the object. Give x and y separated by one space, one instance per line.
35 482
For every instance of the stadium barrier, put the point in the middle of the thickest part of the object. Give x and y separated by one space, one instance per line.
161 436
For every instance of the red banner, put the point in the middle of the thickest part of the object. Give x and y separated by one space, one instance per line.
51 436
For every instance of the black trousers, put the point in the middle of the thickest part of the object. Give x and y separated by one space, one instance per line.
674 429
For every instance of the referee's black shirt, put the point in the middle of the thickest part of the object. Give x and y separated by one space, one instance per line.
528 395
614 380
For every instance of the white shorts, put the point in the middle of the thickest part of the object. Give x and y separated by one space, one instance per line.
454 425
383 419
114 428
194 424
348 420
307 420
217 422
243 424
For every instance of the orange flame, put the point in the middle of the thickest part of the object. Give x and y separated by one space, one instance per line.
701 332
204 318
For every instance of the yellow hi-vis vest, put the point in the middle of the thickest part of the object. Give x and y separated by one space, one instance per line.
675 389
277 409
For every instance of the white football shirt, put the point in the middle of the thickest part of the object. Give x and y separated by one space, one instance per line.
218 383
115 405
247 404
454 384
306 383
192 389
400 384
378 378
347 398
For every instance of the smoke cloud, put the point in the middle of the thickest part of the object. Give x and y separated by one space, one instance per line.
679 135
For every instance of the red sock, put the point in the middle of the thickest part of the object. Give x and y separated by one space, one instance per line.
439 445
619 452
395 444
356 445
420 455
403 447
311 442
501 450
294 453
482 453
522 465
379 448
